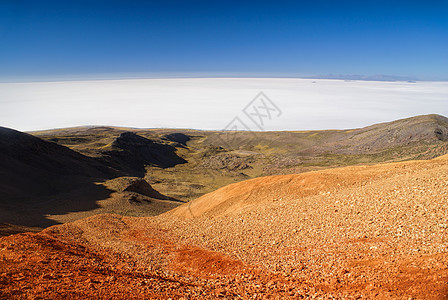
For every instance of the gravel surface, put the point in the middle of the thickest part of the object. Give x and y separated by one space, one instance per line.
348 233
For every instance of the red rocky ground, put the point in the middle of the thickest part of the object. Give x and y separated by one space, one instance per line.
357 232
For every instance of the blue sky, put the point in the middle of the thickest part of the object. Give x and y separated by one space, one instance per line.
269 38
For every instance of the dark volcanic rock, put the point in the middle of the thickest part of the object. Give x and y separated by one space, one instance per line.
227 161
441 133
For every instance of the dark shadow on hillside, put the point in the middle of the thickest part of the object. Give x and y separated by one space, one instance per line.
38 178
138 186
34 211
131 153
179 138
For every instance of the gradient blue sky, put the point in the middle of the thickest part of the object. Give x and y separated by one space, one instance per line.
269 38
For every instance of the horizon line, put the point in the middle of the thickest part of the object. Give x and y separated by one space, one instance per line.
134 76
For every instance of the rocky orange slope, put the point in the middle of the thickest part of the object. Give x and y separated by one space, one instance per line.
368 231
236 197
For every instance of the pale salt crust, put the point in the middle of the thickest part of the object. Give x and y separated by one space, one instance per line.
211 103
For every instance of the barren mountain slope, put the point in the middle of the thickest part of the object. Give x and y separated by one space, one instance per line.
40 180
35 174
424 129
371 232
32 167
236 197
215 159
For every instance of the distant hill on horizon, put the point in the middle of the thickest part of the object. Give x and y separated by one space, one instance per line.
377 77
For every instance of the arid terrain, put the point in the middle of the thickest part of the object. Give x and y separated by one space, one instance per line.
161 213
354 232
63 175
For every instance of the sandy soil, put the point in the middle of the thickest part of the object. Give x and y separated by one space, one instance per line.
349 233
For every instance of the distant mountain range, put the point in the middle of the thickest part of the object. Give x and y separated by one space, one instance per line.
378 77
